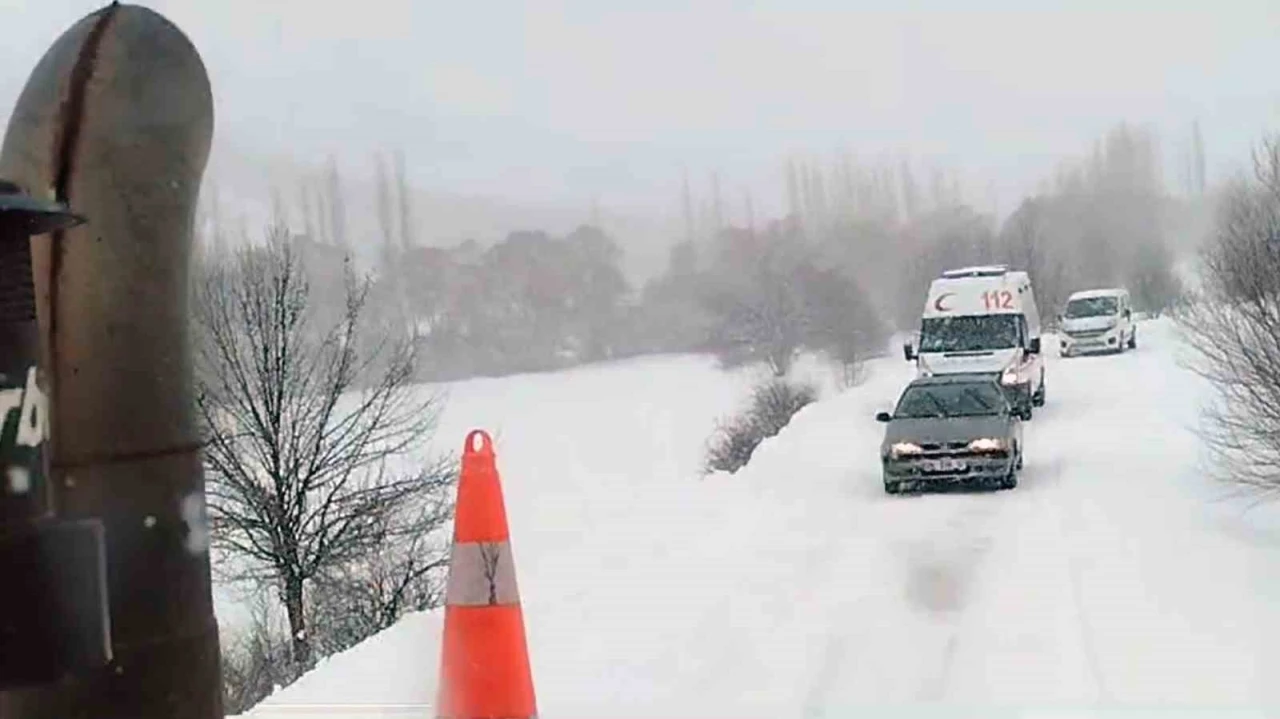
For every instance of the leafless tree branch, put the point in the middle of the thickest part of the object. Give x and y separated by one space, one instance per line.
1233 328
309 418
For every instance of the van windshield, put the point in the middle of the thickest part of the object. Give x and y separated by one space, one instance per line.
1091 307
972 333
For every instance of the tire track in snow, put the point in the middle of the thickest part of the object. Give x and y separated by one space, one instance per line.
1020 644
943 544
982 540
1087 636
1068 610
938 546
900 642
833 657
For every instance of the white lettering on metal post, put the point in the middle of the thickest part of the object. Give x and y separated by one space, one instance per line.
32 405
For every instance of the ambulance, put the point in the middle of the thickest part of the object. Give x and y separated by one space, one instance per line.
983 320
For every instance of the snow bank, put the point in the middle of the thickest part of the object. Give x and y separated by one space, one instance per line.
599 465
1110 579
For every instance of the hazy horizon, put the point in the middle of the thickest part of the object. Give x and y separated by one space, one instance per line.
554 104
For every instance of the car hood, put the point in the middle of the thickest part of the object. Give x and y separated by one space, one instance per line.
992 361
1086 324
955 429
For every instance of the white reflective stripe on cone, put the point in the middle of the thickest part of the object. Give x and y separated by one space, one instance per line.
481 574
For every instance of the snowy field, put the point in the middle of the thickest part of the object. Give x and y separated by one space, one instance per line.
1115 577
578 448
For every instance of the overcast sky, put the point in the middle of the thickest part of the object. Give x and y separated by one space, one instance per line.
552 101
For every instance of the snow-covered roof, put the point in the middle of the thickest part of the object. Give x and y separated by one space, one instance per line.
1086 294
977 271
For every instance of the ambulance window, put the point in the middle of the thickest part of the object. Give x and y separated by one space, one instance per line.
972 333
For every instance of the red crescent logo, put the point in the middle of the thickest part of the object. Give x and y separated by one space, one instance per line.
937 304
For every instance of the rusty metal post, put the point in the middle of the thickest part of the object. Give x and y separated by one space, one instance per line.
53 602
116 122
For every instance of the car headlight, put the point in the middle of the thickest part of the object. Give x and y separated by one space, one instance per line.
1009 376
988 444
902 449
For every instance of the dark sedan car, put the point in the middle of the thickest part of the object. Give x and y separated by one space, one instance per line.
948 430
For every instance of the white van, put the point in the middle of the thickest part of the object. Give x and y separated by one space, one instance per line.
984 320
1097 321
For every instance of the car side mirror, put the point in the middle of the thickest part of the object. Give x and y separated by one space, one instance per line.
1128 314
1033 347
883 417
908 351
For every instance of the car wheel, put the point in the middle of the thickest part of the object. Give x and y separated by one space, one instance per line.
1018 464
1133 340
893 487
1037 399
1010 479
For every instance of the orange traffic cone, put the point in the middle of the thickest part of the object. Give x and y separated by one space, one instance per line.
484 665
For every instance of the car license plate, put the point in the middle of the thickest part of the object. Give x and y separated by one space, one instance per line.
944 465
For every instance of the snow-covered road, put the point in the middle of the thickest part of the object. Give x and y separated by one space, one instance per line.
1105 579
1113 577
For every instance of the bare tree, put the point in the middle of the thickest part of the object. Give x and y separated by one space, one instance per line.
383 196
910 191
353 602
717 206
811 190
337 206
770 297
760 314
888 193
255 660
838 319
405 202
1233 327
848 186
686 206
821 201
1197 159
279 214
1152 280
306 420
1025 243
938 188
324 228
773 404
794 202
304 196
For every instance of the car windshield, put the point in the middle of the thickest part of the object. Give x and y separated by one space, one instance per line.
1091 307
974 333
967 399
